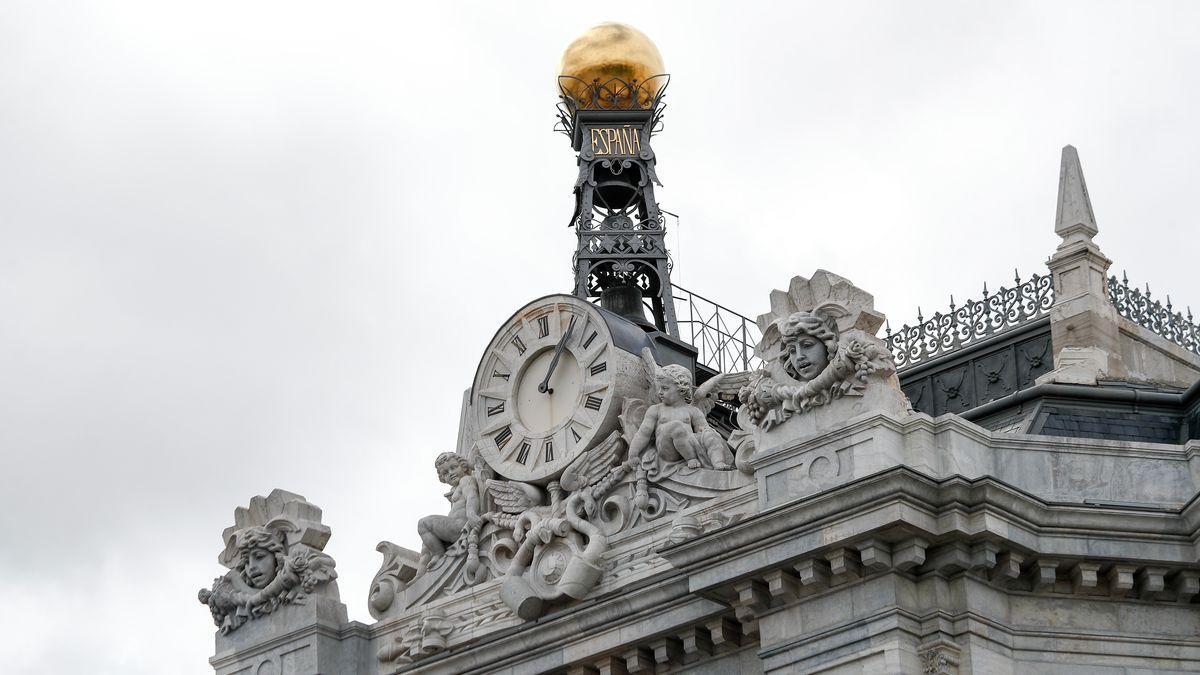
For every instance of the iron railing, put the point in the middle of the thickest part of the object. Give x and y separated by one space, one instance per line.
1143 310
969 323
724 339
576 94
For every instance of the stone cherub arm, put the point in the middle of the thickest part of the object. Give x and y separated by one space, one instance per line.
644 437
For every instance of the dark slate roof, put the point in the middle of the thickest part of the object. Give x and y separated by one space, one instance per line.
1066 420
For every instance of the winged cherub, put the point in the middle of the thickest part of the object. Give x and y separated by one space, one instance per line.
437 531
676 426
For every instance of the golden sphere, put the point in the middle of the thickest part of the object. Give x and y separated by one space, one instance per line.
607 51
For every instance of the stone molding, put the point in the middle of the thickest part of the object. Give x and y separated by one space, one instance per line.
353 632
1169 363
948 446
896 522
955 515
654 611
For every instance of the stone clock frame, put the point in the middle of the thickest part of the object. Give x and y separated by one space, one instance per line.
609 368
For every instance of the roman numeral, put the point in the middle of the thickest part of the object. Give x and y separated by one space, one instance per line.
575 435
549 447
519 344
600 367
497 373
543 326
593 402
523 455
588 343
495 409
503 437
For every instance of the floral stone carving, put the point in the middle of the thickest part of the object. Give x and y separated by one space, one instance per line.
274 555
819 347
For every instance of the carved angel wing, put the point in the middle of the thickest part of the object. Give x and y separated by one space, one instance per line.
593 465
633 411
721 385
651 368
514 497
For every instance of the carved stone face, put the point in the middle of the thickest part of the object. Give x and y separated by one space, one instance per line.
808 358
450 472
668 392
261 567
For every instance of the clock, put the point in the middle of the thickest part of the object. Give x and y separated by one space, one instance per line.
551 384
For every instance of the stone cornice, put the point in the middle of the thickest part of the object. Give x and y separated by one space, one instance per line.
663 604
353 629
918 421
942 510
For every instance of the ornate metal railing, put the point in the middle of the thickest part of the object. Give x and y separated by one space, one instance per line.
969 323
1141 309
577 94
724 339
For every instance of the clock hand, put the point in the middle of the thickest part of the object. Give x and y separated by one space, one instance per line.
544 387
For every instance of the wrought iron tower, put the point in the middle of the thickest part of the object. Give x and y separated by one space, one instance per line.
621 256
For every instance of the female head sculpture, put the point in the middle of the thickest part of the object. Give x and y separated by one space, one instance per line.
809 343
273 554
261 556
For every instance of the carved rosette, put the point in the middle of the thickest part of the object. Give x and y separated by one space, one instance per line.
274 556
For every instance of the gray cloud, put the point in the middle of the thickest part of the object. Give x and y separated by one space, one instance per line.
255 246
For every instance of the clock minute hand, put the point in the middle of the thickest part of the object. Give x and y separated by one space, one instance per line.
544 387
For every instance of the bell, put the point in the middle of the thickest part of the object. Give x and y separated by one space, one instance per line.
626 301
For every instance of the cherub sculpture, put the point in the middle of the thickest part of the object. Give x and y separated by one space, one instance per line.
437 531
675 428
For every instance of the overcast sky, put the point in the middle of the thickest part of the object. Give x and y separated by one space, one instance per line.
250 245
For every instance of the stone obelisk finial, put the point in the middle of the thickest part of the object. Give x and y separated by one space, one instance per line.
1075 221
1083 322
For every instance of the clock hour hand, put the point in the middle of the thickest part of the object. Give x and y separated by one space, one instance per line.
544 387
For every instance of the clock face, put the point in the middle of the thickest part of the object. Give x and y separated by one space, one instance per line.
544 389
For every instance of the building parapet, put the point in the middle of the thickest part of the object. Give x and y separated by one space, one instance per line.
1143 310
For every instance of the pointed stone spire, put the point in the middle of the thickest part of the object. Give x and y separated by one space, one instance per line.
1074 221
1083 323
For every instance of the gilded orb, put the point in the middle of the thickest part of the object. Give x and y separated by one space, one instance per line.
607 51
